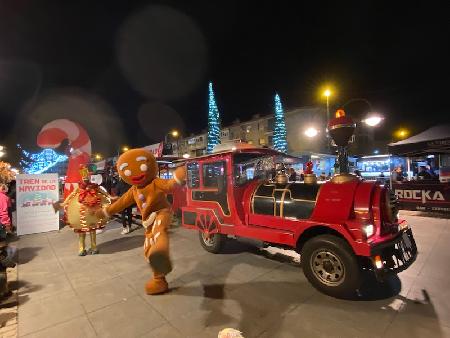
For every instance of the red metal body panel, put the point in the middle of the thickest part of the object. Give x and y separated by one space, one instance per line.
335 202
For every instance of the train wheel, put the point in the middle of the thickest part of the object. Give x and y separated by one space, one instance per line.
331 266
211 242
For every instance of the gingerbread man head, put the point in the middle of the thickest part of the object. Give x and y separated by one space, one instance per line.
137 167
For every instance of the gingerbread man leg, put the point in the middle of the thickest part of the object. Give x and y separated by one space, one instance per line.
156 249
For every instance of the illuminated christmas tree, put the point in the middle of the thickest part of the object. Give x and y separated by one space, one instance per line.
279 135
213 122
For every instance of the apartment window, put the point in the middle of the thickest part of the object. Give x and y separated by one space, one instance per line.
262 141
260 126
271 124
250 142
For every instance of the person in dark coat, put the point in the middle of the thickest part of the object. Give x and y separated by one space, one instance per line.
127 218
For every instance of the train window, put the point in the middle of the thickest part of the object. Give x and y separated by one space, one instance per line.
214 174
248 167
193 175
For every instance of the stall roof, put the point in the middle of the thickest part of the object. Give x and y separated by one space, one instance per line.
433 140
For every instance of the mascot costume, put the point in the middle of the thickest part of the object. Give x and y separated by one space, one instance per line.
81 207
138 168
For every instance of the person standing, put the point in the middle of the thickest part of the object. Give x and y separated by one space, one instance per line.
5 205
292 175
12 197
127 217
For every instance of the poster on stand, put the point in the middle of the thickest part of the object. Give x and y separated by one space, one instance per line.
35 196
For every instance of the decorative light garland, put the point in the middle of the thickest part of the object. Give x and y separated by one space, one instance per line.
38 163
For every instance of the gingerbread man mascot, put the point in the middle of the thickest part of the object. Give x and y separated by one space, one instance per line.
138 168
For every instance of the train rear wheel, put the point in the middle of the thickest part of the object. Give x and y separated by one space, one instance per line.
211 242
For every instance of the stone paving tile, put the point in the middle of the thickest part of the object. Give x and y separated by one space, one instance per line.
164 331
129 318
305 323
435 294
32 269
43 286
359 315
39 314
79 327
99 295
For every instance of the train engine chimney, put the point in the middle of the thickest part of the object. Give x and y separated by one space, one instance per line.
341 129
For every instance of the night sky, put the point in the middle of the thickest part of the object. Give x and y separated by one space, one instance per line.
130 71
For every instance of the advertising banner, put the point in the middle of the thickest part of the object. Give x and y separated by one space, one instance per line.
423 196
35 196
155 149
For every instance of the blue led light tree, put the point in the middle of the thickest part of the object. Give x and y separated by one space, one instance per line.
279 135
213 122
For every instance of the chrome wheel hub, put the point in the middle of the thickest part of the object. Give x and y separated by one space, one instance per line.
208 239
327 267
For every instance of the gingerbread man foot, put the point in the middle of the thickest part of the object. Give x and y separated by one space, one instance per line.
156 285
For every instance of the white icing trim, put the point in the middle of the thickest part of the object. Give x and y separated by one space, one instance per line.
157 235
149 221
123 165
141 158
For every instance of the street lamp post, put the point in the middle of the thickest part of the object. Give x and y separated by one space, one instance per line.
327 94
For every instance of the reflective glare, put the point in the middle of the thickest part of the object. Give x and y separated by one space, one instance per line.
373 121
311 132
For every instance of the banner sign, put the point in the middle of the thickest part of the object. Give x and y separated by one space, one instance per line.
35 196
156 149
423 196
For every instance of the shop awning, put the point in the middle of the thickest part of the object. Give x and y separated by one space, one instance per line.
435 140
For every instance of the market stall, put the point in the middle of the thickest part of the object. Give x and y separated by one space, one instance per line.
425 182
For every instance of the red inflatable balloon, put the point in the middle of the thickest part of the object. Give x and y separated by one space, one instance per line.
52 135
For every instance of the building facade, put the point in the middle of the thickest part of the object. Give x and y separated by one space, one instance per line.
259 132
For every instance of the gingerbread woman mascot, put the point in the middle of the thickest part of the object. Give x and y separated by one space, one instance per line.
138 168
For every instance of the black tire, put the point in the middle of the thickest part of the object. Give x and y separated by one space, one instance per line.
212 244
336 270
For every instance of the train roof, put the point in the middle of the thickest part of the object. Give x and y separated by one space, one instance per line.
255 150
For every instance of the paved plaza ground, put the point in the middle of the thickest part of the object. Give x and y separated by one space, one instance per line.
262 294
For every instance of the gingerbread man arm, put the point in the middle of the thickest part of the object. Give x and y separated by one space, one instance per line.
167 186
125 201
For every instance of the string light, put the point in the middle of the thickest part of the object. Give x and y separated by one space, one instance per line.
213 122
279 135
38 163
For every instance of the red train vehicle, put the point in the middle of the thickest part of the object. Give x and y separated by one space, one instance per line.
338 227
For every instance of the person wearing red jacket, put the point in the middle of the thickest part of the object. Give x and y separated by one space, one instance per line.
5 204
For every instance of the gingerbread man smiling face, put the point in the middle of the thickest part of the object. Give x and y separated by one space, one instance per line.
137 167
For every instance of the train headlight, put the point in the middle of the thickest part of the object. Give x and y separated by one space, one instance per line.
369 230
